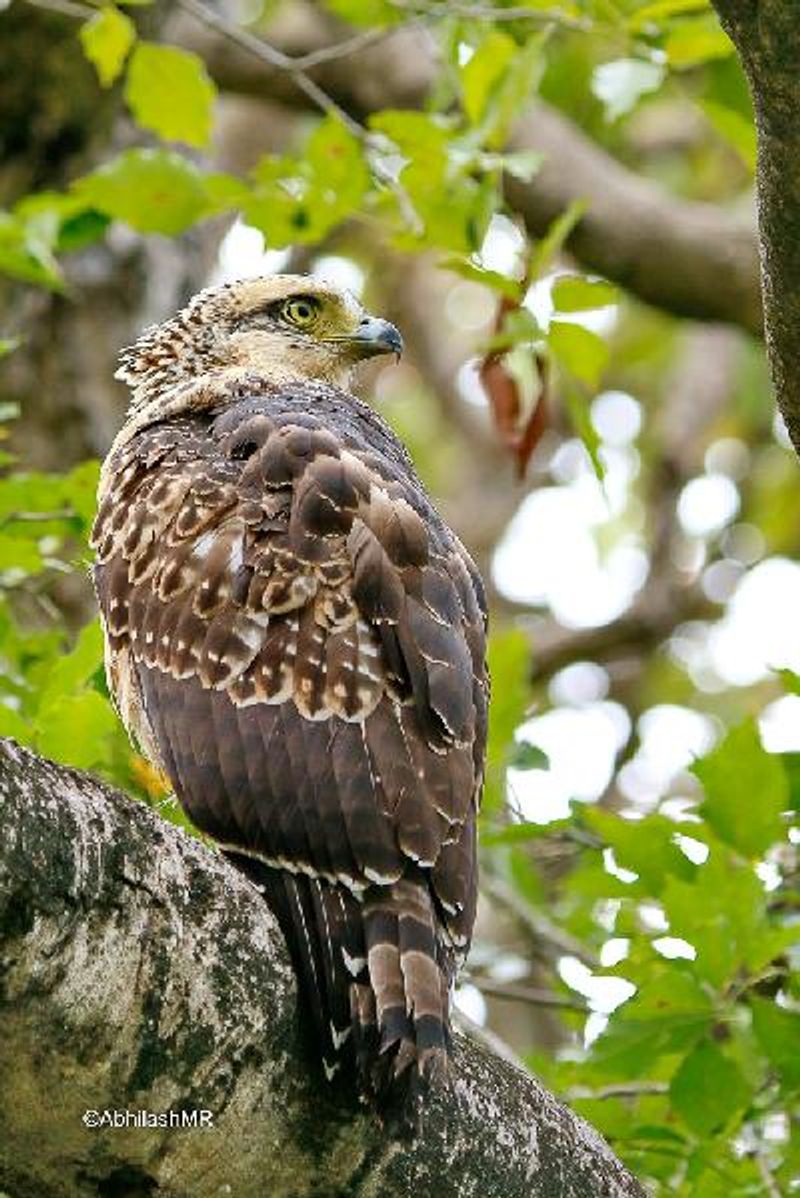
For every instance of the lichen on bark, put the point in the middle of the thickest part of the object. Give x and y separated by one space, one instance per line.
140 971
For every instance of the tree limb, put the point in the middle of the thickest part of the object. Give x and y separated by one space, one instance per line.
767 35
691 259
140 971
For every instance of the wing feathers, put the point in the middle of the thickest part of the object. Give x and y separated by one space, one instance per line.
307 642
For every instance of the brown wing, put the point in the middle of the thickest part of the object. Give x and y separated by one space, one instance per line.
295 633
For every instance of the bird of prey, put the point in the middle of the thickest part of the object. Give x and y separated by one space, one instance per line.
297 639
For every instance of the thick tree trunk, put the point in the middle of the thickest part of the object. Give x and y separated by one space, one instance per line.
767 35
139 972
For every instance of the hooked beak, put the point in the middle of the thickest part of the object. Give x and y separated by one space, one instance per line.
374 336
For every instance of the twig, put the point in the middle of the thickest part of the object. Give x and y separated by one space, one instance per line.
538 996
295 68
540 927
273 58
487 12
770 1185
67 8
343 49
488 1039
642 629
36 517
618 1090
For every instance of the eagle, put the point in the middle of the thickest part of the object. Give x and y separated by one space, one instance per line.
297 639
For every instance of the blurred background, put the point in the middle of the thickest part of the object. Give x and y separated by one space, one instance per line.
554 202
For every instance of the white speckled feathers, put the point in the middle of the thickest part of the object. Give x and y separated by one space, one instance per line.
299 639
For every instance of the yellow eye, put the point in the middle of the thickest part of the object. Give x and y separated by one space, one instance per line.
301 311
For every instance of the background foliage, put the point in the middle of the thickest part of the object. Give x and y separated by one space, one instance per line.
638 941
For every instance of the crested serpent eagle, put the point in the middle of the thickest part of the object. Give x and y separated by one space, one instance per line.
297 639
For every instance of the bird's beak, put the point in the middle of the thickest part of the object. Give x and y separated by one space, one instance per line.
374 336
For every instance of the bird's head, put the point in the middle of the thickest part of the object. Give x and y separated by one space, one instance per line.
284 328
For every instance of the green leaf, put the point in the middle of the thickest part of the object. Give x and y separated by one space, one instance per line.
579 350
30 492
522 164
483 72
8 409
574 401
478 274
13 724
737 130
169 91
77 730
340 177
723 914
19 554
509 667
619 85
418 135
75 669
520 328
746 790
708 1089
778 1032
646 846
300 200
790 680
791 764
225 192
525 756
106 39
513 90
693 42
154 191
79 490
666 1015
453 207
523 832
556 237
576 293
366 12
74 722
26 252
64 222
662 10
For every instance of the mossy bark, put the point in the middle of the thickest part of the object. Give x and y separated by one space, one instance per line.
140 972
766 34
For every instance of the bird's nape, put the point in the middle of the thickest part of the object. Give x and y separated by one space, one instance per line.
282 327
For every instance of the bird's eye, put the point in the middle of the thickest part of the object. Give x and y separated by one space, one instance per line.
301 311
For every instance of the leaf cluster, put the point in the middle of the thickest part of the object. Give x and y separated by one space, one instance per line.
695 1077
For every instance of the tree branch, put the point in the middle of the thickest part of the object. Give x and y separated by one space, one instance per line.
767 35
487 12
691 259
141 972
273 58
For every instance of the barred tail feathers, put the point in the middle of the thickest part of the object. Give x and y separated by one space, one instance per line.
371 977
410 985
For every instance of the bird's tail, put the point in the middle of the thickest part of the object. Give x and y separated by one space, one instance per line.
402 1002
372 977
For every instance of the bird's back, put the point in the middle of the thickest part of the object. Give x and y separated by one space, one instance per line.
298 639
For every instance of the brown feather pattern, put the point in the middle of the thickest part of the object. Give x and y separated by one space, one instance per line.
294 631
